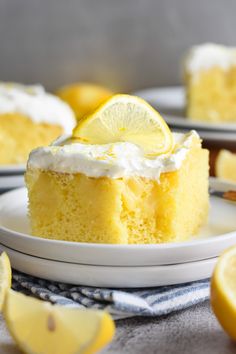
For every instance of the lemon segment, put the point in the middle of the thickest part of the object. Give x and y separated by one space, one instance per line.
39 327
226 165
5 277
84 98
223 291
125 118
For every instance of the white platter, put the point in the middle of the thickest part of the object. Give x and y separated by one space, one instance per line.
218 234
111 277
170 101
10 182
12 169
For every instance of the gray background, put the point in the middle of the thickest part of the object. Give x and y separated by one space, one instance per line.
125 44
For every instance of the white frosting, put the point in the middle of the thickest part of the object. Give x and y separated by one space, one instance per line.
206 56
35 103
112 160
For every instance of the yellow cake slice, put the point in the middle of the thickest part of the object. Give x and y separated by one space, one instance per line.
211 83
29 117
225 166
113 193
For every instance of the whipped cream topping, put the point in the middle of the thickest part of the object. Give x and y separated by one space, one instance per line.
35 103
115 160
208 55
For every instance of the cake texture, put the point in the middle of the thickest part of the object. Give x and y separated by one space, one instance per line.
29 117
210 73
112 193
225 165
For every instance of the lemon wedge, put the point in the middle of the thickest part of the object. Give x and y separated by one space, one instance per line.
84 97
226 165
41 328
125 118
223 291
5 277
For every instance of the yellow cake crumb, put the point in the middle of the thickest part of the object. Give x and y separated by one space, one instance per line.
212 97
226 165
19 135
127 210
210 75
29 117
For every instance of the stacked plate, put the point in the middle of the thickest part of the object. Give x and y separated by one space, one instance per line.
170 102
11 176
119 266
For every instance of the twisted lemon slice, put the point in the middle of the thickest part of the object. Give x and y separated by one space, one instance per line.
125 118
41 328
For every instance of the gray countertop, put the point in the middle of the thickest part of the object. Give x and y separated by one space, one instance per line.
194 331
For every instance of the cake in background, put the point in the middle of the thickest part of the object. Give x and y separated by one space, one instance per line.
132 182
210 73
29 117
226 165
84 98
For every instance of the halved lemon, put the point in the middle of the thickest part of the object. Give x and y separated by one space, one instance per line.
41 328
223 291
84 97
125 118
5 277
226 165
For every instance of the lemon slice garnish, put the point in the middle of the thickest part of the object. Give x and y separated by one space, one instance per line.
125 118
226 165
223 291
84 97
5 277
39 327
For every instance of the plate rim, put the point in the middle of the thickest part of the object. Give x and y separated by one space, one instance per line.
178 265
11 170
102 274
12 181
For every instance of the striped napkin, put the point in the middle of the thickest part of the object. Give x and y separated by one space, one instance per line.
120 303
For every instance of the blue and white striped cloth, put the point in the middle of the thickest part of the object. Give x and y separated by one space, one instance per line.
120 303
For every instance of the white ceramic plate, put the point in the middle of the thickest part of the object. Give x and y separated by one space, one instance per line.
170 101
115 277
10 182
12 169
218 234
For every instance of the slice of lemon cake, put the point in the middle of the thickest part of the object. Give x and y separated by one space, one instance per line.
211 83
29 117
226 165
132 190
